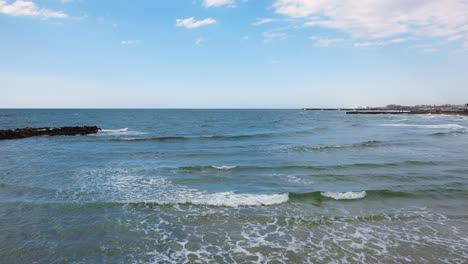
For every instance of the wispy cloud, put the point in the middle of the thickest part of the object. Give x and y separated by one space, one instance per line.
324 42
422 46
217 3
130 42
370 44
430 50
261 21
270 36
374 20
425 47
191 22
199 41
380 42
29 8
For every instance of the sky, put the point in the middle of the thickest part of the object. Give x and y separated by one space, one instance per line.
232 53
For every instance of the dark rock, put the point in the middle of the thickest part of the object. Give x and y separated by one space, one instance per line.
47 131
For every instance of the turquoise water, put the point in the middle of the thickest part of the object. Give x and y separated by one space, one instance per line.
235 186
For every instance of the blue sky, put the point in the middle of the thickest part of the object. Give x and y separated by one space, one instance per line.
232 53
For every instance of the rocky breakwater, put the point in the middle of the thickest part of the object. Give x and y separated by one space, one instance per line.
47 131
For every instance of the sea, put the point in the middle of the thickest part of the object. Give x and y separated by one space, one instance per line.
235 186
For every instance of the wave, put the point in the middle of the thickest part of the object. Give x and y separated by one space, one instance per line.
219 199
318 195
378 194
224 167
121 130
344 195
231 199
441 126
185 138
194 169
211 137
371 143
174 197
451 133
152 139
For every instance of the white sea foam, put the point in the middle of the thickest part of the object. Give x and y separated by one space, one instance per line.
232 199
308 239
121 131
224 167
129 139
115 131
441 126
215 233
299 179
124 187
344 195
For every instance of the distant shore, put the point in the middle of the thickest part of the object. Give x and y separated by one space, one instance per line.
398 110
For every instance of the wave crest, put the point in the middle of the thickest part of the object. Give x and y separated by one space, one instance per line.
224 167
121 130
344 195
231 199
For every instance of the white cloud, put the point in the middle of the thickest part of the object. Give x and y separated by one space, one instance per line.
398 40
430 50
379 19
130 42
261 21
28 8
191 22
455 38
217 3
370 44
324 41
380 42
422 46
270 36
426 48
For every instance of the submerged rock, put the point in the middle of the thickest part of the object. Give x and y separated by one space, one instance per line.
47 131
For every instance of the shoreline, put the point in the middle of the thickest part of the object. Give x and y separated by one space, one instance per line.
400 110
458 113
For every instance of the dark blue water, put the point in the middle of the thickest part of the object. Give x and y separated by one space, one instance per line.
235 186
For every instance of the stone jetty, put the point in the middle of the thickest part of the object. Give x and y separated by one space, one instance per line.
48 131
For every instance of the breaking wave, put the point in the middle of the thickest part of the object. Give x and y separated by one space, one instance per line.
224 167
344 195
115 131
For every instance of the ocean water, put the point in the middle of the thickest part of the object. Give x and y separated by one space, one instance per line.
235 186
